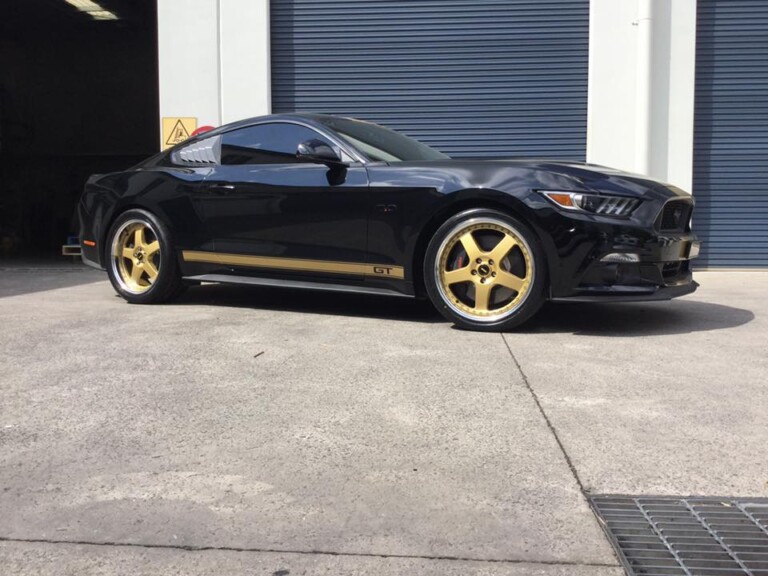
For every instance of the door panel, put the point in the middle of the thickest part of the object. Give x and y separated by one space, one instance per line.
289 218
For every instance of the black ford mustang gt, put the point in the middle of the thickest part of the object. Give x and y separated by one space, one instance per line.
314 201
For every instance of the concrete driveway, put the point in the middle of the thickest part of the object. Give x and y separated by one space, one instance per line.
273 432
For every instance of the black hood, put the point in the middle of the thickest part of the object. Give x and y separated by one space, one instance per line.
510 175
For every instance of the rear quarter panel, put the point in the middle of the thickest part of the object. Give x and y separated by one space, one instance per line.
169 193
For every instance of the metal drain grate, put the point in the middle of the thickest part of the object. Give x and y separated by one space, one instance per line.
670 536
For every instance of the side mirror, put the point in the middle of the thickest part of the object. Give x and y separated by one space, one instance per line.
318 151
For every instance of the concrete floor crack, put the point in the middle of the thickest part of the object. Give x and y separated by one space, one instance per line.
193 548
550 426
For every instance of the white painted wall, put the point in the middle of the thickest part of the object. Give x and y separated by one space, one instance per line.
640 117
214 60
245 59
682 81
188 40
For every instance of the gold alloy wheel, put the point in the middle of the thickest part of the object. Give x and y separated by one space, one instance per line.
484 270
136 256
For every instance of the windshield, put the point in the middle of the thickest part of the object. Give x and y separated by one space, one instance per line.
379 143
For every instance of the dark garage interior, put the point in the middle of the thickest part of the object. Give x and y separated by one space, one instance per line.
78 95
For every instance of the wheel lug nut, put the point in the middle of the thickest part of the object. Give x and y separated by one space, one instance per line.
493 274
479 260
490 262
482 280
474 272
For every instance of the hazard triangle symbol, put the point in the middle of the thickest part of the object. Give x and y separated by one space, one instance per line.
178 134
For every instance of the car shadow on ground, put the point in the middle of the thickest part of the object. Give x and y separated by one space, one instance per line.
636 319
632 319
312 302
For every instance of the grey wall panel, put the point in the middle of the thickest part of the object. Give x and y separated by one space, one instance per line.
730 169
481 78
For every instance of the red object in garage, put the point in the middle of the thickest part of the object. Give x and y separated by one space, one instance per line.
201 130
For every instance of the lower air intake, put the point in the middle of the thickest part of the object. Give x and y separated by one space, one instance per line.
667 536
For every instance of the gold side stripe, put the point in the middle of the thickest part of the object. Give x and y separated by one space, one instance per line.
378 270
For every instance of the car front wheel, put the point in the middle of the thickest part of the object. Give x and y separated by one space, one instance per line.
485 270
141 263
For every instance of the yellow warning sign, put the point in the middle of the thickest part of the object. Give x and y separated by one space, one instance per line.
177 130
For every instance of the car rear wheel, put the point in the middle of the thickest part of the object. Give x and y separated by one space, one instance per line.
485 270
142 264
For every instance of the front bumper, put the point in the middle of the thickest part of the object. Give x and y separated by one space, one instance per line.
657 264
622 294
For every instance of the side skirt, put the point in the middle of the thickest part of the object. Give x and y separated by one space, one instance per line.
249 280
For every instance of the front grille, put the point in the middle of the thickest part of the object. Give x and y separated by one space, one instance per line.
669 536
675 216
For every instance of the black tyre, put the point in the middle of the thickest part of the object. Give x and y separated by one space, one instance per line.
141 260
485 270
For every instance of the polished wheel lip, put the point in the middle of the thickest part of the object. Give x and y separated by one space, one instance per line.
119 249
451 238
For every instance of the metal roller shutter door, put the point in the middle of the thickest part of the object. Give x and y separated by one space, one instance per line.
730 174
481 78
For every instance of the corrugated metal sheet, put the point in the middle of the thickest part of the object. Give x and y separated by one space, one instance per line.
480 78
730 180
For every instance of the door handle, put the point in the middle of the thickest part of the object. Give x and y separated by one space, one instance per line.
386 208
220 188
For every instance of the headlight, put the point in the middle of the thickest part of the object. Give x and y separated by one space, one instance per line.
603 205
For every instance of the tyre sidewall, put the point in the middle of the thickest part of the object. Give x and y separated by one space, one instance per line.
536 294
168 279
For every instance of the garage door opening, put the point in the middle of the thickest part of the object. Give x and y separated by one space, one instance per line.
78 95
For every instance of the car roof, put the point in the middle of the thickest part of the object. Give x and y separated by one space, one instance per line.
309 117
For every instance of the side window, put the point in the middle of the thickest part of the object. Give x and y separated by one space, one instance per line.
274 143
